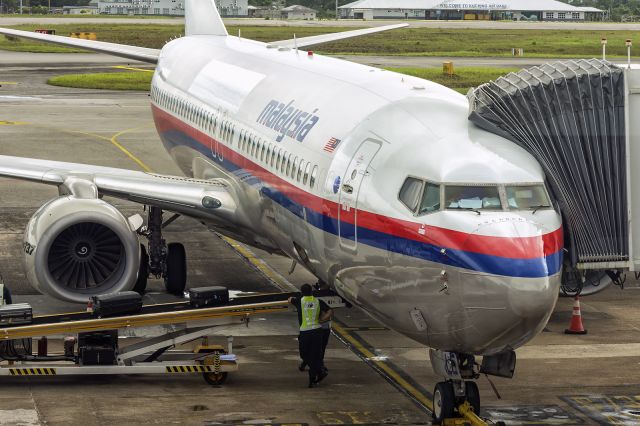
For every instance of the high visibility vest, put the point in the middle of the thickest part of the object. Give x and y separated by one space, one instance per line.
310 307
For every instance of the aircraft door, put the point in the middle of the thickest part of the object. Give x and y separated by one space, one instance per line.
350 190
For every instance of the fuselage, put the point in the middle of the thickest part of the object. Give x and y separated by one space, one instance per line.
326 160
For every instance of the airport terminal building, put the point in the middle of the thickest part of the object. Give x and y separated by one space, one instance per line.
227 8
517 10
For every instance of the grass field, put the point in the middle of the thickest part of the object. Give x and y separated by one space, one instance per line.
110 81
464 78
411 41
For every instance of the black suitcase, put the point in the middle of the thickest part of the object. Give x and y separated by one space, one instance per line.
96 355
208 296
16 314
115 304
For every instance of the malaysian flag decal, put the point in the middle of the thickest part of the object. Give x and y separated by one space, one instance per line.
332 144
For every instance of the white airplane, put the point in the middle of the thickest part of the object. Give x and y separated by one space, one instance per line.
375 181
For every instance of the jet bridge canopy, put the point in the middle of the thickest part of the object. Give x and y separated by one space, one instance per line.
571 116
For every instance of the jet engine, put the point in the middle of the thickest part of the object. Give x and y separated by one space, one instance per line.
75 248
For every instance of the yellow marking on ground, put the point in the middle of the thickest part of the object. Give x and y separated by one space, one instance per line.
9 82
122 67
114 141
12 123
419 396
260 264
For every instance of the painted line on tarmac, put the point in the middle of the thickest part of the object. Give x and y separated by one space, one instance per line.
355 343
114 141
262 267
122 67
8 82
390 372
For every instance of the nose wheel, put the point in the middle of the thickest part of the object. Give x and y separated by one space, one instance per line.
452 406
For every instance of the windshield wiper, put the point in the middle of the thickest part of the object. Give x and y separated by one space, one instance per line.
470 209
536 208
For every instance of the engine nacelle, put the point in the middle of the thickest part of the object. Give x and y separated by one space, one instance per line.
75 248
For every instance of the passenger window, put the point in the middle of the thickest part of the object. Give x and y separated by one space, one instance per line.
294 167
299 176
472 197
278 159
314 174
268 154
263 150
430 199
288 171
410 193
524 197
306 173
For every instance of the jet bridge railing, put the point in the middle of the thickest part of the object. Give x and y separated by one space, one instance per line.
575 118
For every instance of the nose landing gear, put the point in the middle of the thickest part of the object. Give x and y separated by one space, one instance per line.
457 399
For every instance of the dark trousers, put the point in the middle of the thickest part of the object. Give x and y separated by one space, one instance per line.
310 345
326 332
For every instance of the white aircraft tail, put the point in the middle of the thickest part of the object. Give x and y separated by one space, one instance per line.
202 18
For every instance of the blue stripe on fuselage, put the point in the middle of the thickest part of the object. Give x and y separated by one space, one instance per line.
496 265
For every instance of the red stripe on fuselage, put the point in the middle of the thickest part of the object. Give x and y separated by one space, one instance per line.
508 247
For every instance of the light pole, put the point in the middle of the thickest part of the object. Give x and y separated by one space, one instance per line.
336 10
603 41
628 43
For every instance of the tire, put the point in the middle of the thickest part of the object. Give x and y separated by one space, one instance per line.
443 402
215 379
175 279
473 396
143 272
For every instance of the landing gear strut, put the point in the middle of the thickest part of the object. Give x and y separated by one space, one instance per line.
163 260
458 396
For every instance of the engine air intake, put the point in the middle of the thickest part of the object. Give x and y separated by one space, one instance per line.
85 256
570 116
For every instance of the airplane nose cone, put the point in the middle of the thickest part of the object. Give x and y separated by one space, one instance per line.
510 295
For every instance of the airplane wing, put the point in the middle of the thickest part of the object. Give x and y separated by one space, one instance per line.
193 197
125 51
325 38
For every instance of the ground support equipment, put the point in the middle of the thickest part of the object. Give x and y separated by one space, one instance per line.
97 353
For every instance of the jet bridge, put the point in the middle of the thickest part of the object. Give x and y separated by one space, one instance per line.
578 119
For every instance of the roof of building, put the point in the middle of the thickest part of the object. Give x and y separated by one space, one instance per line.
496 5
299 8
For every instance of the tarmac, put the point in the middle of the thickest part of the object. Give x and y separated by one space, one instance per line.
376 375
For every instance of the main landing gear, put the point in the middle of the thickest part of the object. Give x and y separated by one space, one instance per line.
163 260
457 399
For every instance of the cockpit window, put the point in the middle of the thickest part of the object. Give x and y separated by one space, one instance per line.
410 193
524 197
472 197
430 198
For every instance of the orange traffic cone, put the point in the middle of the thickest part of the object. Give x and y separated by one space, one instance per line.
575 327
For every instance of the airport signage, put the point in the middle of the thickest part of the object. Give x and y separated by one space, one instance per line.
472 6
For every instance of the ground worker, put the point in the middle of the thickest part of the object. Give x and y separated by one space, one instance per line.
5 294
311 313
325 328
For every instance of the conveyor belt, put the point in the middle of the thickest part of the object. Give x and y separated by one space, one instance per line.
167 313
